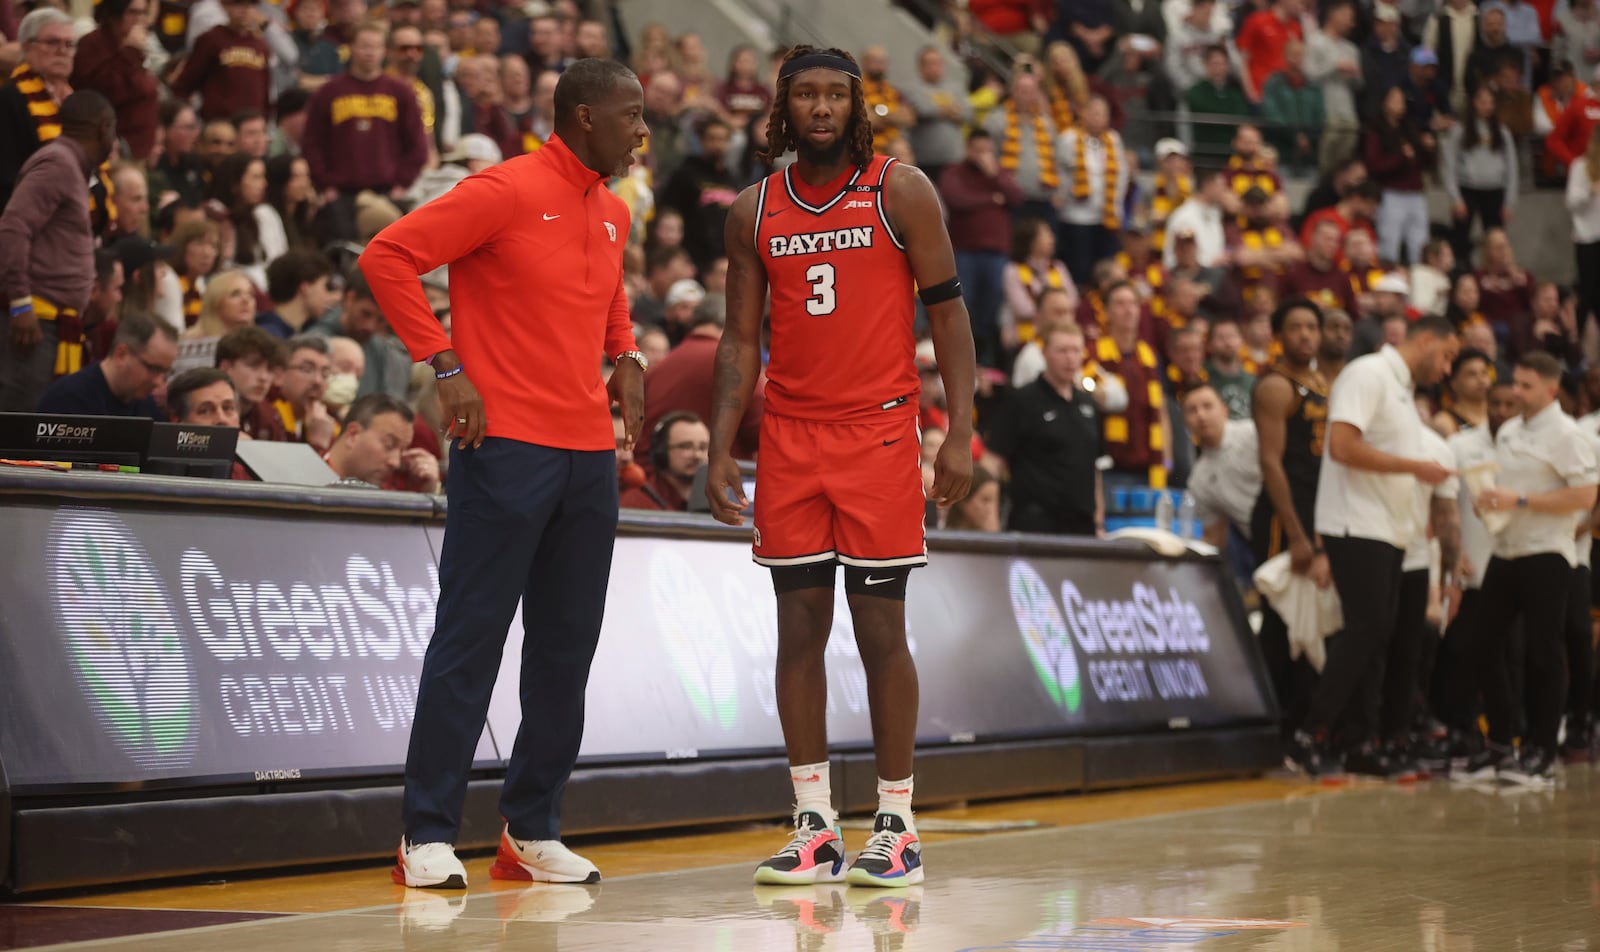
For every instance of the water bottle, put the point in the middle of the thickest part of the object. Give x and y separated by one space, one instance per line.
1163 512
1186 520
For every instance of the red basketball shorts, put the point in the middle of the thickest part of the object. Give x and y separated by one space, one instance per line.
850 492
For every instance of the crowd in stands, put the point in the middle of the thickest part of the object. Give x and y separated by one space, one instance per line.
1119 180
1132 190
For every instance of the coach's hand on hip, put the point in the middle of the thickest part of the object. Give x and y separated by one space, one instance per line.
462 404
626 388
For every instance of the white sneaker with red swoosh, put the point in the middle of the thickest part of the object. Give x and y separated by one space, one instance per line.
540 861
428 866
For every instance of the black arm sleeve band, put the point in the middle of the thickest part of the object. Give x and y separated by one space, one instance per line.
944 291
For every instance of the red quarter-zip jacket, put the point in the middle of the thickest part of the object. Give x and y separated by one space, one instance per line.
536 298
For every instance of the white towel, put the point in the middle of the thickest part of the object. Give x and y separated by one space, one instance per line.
1311 613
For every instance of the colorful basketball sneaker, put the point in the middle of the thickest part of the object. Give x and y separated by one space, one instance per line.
814 854
893 856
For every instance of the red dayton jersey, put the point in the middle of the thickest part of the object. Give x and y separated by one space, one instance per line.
843 343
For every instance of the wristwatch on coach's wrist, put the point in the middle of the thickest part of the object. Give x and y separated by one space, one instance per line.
1522 502
636 357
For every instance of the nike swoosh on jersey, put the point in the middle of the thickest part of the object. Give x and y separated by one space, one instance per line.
550 217
877 581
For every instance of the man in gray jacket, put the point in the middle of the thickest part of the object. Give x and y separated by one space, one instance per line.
942 110
1334 63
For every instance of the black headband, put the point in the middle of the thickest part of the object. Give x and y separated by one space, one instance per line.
818 61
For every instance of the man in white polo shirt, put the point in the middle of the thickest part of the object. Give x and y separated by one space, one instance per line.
1455 675
1579 742
1547 482
1434 508
1365 520
1226 479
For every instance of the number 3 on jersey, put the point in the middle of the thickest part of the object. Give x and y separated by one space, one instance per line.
822 300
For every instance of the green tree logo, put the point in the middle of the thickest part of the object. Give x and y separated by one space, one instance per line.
1045 634
691 630
126 648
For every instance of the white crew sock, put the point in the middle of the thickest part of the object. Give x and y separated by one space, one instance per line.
894 796
813 790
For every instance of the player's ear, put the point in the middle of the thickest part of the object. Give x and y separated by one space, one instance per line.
585 117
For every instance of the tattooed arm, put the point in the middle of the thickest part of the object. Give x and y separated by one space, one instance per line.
738 359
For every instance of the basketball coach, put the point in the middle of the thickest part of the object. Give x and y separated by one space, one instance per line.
534 247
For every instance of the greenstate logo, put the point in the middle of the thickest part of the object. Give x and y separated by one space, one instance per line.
1045 634
126 649
692 632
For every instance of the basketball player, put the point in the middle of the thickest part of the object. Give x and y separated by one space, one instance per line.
1290 407
842 239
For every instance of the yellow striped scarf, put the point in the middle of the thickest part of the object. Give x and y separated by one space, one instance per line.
1244 177
1011 146
1111 216
42 106
1154 277
193 297
1257 239
880 93
1026 330
1166 200
1062 112
46 113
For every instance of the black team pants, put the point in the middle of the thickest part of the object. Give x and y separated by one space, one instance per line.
1533 588
1348 697
1404 660
1580 651
1454 687
527 525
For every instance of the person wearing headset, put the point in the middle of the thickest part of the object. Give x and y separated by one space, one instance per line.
679 446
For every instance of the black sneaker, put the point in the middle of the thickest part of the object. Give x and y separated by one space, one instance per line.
1486 764
1404 756
1578 748
1465 745
1531 768
1432 753
1372 760
1304 753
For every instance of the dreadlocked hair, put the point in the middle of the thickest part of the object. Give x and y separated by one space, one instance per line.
779 137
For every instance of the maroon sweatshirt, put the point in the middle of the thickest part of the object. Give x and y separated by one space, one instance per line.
364 134
229 70
1390 167
117 72
980 207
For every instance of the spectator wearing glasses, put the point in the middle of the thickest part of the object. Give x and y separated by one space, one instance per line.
298 396
30 101
682 381
110 61
121 385
681 445
46 247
